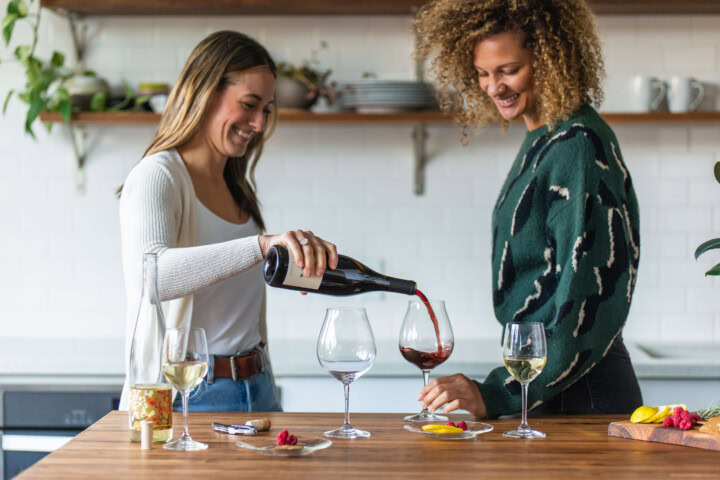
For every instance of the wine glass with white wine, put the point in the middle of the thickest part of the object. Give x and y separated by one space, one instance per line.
346 349
524 354
185 364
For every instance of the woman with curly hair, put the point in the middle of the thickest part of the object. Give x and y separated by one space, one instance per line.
566 241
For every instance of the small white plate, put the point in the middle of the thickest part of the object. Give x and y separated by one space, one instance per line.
473 429
309 445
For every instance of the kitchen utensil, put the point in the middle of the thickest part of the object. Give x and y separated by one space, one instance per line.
647 93
473 429
234 429
681 97
658 433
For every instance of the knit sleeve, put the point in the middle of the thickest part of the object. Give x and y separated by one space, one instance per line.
150 218
591 260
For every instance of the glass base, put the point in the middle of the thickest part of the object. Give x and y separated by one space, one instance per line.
185 444
347 431
425 416
524 433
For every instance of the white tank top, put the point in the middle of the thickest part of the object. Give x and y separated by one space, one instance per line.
229 311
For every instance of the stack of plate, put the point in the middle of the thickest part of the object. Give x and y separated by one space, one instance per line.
376 96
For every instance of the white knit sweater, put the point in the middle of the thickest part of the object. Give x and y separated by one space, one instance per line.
158 214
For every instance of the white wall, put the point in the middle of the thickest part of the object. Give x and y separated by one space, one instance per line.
60 252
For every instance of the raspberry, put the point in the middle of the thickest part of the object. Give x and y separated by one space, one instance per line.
282 438
451 424
292 440
677 411
462 425
695 417
686 425
668 422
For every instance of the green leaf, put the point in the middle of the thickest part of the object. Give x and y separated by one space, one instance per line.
8 24
57 59
18 7
7 99
98 101
709 245
36 106
22 8
65 110
714 271
717 172
22 53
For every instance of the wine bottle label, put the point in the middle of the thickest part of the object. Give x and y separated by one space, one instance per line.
296 278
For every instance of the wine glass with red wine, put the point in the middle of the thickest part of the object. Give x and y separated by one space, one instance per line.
426 340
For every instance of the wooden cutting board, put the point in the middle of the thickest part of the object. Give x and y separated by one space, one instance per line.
660 434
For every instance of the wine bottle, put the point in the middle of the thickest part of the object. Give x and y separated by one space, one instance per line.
349 278
150 394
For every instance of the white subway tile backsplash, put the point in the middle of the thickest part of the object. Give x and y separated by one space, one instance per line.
687 328
686 219
353 185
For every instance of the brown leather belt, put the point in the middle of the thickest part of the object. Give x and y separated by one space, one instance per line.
239 367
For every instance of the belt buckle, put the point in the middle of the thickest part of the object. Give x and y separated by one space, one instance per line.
233 369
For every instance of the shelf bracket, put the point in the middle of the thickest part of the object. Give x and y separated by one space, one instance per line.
419 138
78 135
78 31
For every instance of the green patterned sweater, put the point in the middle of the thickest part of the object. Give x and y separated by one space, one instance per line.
566 248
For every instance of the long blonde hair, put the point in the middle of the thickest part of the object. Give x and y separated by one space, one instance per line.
215 63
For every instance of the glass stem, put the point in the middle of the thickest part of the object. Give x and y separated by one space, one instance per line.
347 405
426 379
523 424
185 434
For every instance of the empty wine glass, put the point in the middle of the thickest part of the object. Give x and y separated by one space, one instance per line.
185 363
524 354
426 340
346 349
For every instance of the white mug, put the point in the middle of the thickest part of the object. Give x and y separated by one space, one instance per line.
647 93
681 97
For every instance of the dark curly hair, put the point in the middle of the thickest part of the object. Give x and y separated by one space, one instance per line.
567 58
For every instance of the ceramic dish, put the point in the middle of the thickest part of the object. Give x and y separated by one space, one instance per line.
309 445
473 429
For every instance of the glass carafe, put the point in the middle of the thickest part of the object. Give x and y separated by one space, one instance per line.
150 394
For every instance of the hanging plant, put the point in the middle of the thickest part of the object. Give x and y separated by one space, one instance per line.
43 89
714 243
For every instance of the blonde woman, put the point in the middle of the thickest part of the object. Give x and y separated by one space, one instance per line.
566 241
192 200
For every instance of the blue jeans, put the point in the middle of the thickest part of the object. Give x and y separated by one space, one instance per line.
251 394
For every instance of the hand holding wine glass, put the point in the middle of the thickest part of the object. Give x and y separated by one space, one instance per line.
185 364
346 349
524 354
426 340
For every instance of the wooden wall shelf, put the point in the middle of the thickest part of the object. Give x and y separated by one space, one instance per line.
346 118
337 7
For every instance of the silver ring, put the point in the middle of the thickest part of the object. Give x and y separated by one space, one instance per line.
303 241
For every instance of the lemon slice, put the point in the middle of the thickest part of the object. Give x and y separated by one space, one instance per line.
643 413
663 412
441 429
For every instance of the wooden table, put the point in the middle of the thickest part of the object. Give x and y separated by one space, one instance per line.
576 447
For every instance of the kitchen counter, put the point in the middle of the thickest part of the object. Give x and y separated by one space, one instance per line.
575 447
100 361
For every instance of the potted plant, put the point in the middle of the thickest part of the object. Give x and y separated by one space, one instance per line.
49 85
43 90
299 86
714 243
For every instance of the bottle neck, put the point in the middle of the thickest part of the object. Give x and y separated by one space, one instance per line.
150 276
